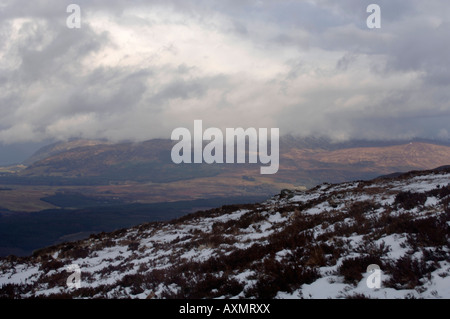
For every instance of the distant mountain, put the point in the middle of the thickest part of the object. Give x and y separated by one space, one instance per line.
147 160
92 158
143 172
298 244
60 147
326 143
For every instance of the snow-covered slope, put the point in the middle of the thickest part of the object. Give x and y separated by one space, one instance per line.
312 244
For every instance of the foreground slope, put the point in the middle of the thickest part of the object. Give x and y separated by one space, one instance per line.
312 244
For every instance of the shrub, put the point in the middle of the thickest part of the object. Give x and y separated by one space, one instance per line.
408 200
11 291
51 264
204 286
316 257
352 268
440 192
74 251
360 208
275 276
134 281
57 279
220 285
407 272
133 246
428 232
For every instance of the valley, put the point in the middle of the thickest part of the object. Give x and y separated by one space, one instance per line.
84 187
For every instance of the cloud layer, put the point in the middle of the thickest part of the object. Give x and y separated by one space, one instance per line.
137 70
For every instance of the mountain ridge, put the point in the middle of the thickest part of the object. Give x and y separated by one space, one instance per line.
97 158
143 172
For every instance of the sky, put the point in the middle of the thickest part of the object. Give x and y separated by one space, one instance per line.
136 70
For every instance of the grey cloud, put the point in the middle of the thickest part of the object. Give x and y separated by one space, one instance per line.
425 49
106 91
344 62
64 52
182 89
117 99
408 40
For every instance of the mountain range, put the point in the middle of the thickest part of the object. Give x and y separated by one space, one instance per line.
101 171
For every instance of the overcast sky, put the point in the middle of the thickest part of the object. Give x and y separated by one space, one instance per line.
138 69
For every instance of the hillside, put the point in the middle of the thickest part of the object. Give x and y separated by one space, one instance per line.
298 244
61 147
142 161
144 173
